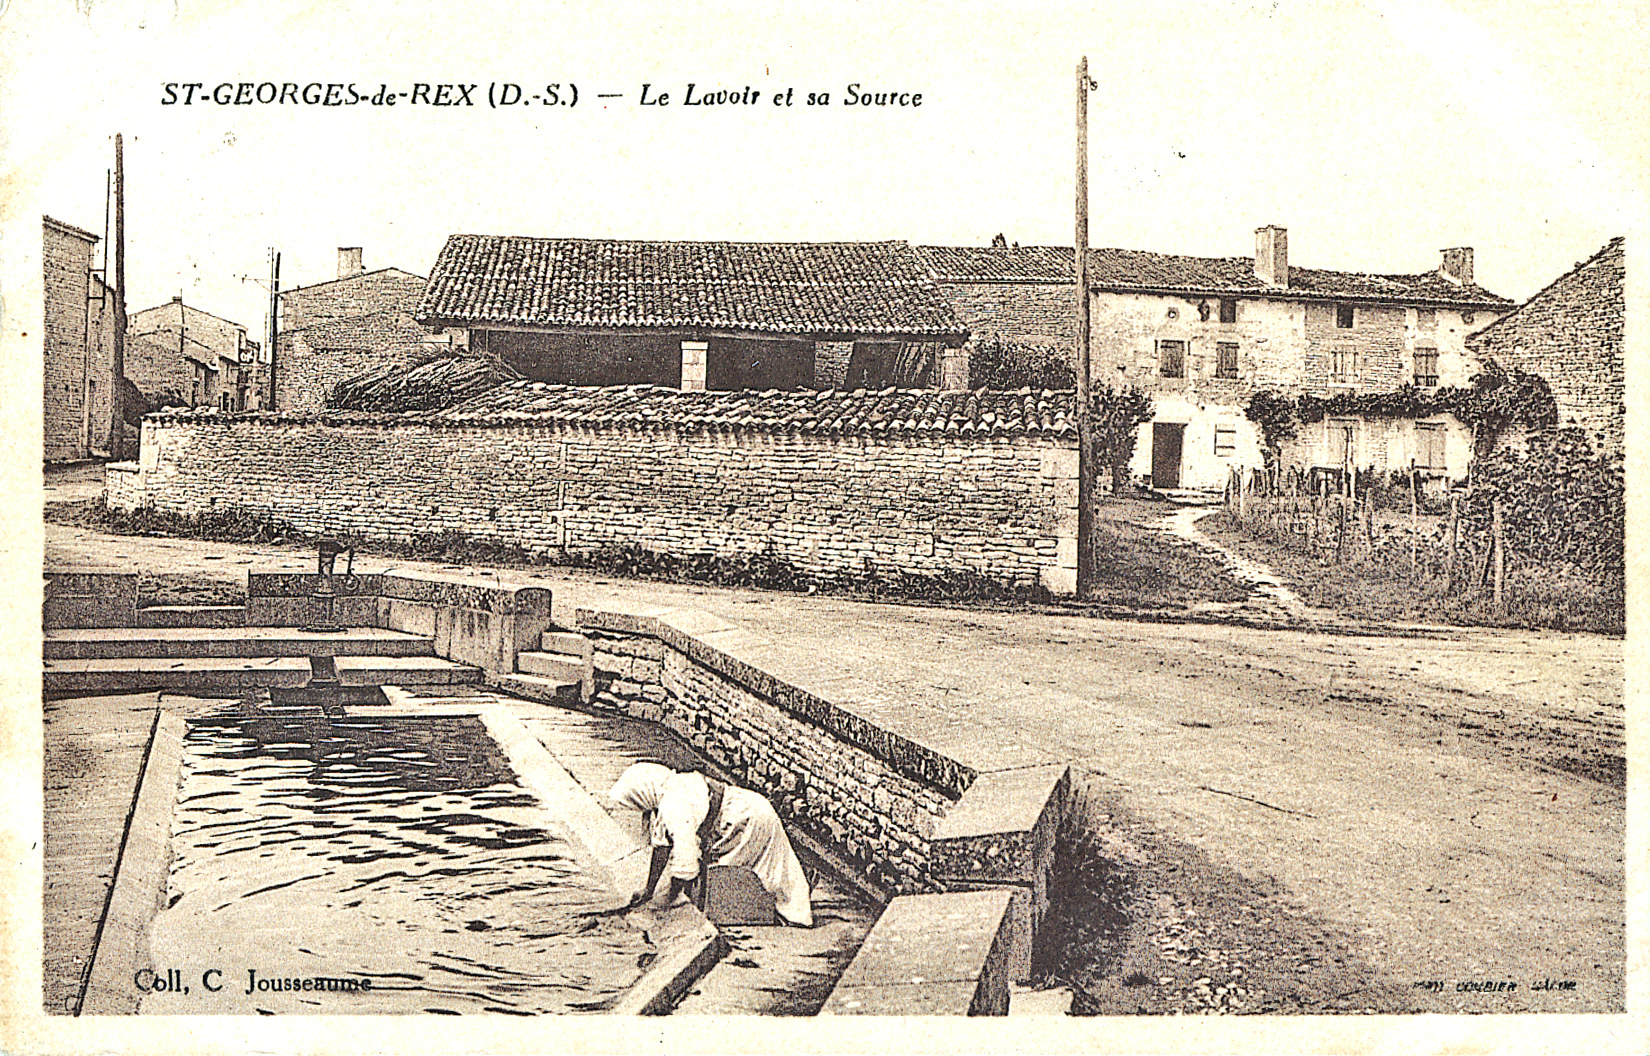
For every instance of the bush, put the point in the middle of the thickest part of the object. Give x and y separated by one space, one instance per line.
1560 502
998 364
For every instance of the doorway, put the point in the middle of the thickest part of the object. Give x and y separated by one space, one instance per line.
1168 438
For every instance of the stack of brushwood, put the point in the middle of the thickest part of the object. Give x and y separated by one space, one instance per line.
432 385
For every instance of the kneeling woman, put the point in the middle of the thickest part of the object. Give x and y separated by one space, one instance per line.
694 821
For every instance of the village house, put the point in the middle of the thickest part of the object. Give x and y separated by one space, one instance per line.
344 327
1570 334
697 315
78 339
1204 334
179 355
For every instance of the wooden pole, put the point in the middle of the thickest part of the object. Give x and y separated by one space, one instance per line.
1414 518
117 401
1454 537
1500 555
1085 408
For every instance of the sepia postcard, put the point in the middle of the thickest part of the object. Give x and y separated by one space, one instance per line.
829 527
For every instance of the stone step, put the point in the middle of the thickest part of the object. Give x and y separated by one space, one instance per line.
566 643
111 643
551 665
213 674
192 616
536 687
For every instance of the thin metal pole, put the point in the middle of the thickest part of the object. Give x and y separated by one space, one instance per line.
1085 407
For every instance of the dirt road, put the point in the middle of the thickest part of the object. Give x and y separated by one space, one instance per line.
1364 821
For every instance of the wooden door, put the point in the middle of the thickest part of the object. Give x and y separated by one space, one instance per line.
1167 440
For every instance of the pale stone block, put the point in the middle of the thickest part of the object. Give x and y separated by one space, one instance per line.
1060 580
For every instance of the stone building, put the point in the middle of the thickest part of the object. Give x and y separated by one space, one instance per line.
1203 334
344 327
1571 334
179 355
697 315
78 339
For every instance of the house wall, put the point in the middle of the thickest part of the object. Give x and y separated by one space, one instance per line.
307 374
1571 334
1383 444
173 348
327 302
315 359
1272 353
100 385
67 259
1029 313
340 329
1005 508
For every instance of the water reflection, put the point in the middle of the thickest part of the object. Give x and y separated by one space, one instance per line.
396 849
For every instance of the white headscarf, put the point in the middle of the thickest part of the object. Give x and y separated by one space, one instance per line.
641 785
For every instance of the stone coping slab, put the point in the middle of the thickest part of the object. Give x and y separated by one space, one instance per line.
944 954
487 593
108 643
139 886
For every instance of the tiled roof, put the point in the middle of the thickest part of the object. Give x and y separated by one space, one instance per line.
1131 269
70 228
890 412
1613 251
819 288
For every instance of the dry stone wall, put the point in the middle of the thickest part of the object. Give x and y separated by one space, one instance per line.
860 803
1002 507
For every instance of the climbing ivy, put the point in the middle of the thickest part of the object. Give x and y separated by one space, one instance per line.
1496 400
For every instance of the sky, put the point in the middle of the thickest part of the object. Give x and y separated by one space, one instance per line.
1377 133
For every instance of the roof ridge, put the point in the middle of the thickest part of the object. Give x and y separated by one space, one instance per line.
1618 240
687 241
347 278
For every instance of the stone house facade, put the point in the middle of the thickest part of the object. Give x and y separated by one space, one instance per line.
1571 334
342 328
697 315
1203 334
78 340
179 355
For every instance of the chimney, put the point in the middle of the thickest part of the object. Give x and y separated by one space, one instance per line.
1272 255
1457 265
349 262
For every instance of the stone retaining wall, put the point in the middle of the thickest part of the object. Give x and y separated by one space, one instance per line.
870 795
1003 507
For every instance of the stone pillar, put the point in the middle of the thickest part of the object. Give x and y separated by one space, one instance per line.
693 365
954 368
1060 470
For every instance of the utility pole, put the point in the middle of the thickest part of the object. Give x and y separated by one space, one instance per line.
1085 406
117 398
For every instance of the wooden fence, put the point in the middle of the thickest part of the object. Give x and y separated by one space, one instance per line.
1324 514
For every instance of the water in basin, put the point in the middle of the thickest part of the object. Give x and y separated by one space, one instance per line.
397 850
